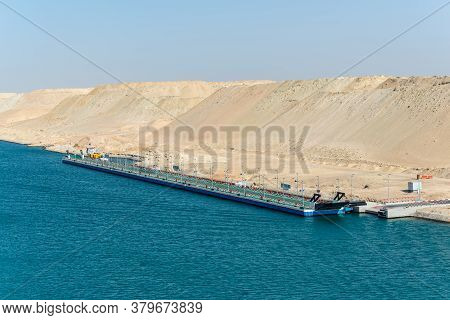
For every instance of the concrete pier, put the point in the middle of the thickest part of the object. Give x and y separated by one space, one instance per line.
437 214
437 210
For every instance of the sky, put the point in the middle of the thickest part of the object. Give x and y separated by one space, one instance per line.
216 40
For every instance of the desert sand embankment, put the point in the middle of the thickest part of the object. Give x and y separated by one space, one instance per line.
367 126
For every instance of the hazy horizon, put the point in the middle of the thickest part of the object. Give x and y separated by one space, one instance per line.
226 41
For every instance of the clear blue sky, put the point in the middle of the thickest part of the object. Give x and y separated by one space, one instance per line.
216 40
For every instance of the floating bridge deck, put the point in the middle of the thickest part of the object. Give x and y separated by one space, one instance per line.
281 201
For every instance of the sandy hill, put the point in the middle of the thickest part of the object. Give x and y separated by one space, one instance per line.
108 116
19 107
8 100
375 121
399 121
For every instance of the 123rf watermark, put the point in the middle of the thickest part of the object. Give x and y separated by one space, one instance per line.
248 149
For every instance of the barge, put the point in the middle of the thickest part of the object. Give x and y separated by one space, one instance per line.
265 198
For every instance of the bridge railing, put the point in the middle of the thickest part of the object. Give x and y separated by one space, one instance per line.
265 195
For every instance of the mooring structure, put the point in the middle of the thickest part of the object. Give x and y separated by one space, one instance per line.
261 197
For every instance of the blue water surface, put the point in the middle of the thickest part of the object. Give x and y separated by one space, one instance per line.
71 233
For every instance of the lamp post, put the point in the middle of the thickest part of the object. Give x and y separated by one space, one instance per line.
351 186
388 187
264 192
418 190
303 195
244 184
210 175
278 185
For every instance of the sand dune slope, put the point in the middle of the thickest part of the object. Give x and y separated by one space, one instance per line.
394 121
19 107
8 100
109 115
403 121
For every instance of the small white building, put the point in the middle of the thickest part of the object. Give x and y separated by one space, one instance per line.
415 185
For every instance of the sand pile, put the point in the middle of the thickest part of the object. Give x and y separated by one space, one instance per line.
19 107
369 121
108 116
8 100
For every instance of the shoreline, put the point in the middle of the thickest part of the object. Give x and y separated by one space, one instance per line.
429 214
29 145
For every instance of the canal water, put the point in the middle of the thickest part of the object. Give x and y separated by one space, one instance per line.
72 233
